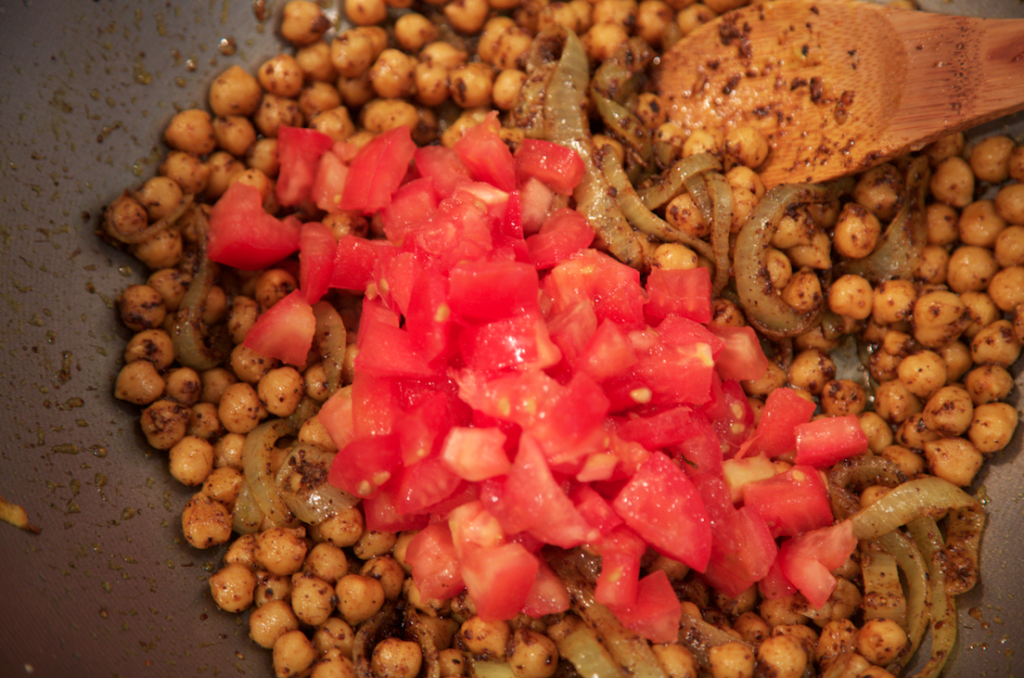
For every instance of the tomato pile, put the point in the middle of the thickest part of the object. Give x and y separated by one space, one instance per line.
515 388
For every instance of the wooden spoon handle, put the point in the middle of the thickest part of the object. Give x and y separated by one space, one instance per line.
961 72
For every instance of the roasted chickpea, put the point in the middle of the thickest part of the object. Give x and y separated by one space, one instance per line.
334 634
811 370
506 88
471 85
1009 247
205 522
923 373
263 156
359 597
941 221
164 423
533 655
303 22
603 40
344 528
1010 203
783 656
232 587
275 112
842 397
269 622
731 660
746 146
879 190
949 411
939 318
294 654
910 462
803 292
138 382
191 131
988 383
141 308
466 16
945 147
485 638
895 403
692 16
933 265
240 409
990 159
381 115
1007 288
191 460
856 231
953 182
953 459
992 426
851 296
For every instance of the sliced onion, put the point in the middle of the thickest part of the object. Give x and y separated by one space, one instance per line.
305 410
924 497
963 539
246 515
899 249
257 463
720 194
415 627
194 346
883 593
658 191
643 219
385 624
331 338
579 643
919 597
765 310
566 124
700 636
302 485
943 623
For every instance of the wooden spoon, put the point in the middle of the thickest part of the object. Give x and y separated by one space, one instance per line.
838 87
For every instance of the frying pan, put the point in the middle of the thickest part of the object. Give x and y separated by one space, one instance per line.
110 588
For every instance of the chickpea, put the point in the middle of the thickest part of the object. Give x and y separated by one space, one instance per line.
731 660
879 190
373 543
232 587
413 31
221 168
506 88
933 265
471 85
953 182
945 147
957 358
303 22
990 159
359 597
894 402
942 224
191 131
344 528
949 411
381 115
992 427
141 308
671 134
988 383
996 345
691 17
258 180
294 654
466 16
746 146
838 637
250 366
953 459
215 382
205 522
241 552
312 598
240 409
939 318
280 390
336 634
275 112
1007 288
856 231
388 572
452 662
164 423
191 460
235 92
366 12
701 141
334 122
652 18
271 587
271 621
1010 203
159 196
603 40
923 373
138 382
318 97
682 214
782 656
224 484
811 370
533 655
851 296
893 301
1009 248
979 224
909 462
803 292
263 156
315 62
485 638
842 397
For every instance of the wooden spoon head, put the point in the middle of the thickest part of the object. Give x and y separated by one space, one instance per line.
817 79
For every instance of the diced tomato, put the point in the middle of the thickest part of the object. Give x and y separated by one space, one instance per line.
336 417
422 427
386 351
730 414
742 357
774 585
486 155
365 464
776 431
476 453
659 430
595 509
572 329
676 330
563 234
824 442
435 567
413 203
397 278
377 171
374 405
505 343
244 236
791 503
473 525
532 500
684 292
663 506
808 560
571 428
499 579
657 611
620 551
548 594
612 287
511 224
598 466
329 183
742 549
424 484
383 515
354 261
443 167
677 374
299 149
608 354
557 166
429 317
316 260
700 449
285 330
491 290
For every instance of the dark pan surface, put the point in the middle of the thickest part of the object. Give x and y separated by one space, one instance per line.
109 588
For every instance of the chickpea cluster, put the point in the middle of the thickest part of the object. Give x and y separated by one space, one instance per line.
941 344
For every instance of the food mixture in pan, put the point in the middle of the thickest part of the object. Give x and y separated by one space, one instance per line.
481 366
